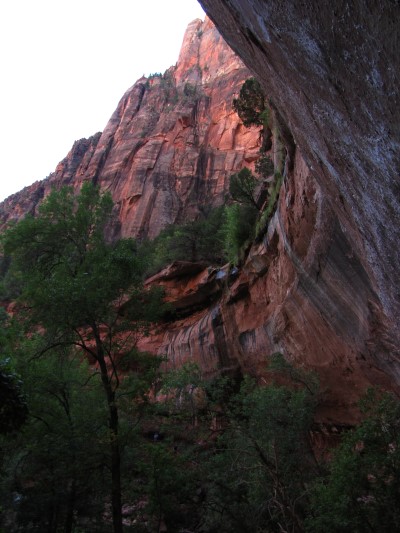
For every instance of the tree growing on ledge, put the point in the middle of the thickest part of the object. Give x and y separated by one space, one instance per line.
253 111
242 188
81 291
250 105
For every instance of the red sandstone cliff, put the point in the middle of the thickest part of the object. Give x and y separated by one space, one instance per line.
314 288
332 69
302 292
170 146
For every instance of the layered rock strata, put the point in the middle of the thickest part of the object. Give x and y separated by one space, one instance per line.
321 286
302 291
170 146
332 69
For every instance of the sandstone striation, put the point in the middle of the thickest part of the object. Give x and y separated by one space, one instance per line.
169 147
332 70
302 291
321 286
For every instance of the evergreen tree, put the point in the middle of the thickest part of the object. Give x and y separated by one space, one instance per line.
362 489
81 291
242 187
250 105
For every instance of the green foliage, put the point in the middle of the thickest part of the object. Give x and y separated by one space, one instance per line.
296 375
242 187
63 446
199 240
280 149
13 405
262 224
265 117
362 491
84 298
258 475
189 90
220 390
184 390
10 282
71 274
264 166
238 229
151 77
253 110
81 291
57 462
155 75
188 375
250 105
13 408
172 488
264 462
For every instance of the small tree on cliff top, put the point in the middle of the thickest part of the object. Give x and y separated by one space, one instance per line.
81 291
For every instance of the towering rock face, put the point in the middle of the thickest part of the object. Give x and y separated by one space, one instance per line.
332 69
302 292
170 146
321 286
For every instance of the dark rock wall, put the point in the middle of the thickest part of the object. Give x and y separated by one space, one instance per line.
332 69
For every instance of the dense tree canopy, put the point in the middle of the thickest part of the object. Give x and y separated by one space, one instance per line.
233 457
242 187
362 489
80 291
13 408
196 240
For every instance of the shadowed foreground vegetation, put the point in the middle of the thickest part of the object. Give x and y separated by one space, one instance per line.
95 437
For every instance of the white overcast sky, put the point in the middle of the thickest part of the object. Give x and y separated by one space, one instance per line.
65 64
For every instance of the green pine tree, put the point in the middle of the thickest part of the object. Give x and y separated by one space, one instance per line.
80 291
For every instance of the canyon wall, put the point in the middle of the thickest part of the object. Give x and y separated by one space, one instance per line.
332 70
302 292
169 147
321 286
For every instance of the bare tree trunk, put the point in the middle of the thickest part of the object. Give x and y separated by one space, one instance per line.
69 520
116 498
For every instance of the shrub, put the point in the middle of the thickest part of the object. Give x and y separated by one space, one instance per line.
238 229
264 166
189 89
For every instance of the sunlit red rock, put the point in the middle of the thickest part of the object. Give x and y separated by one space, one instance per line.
169 147
322 286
